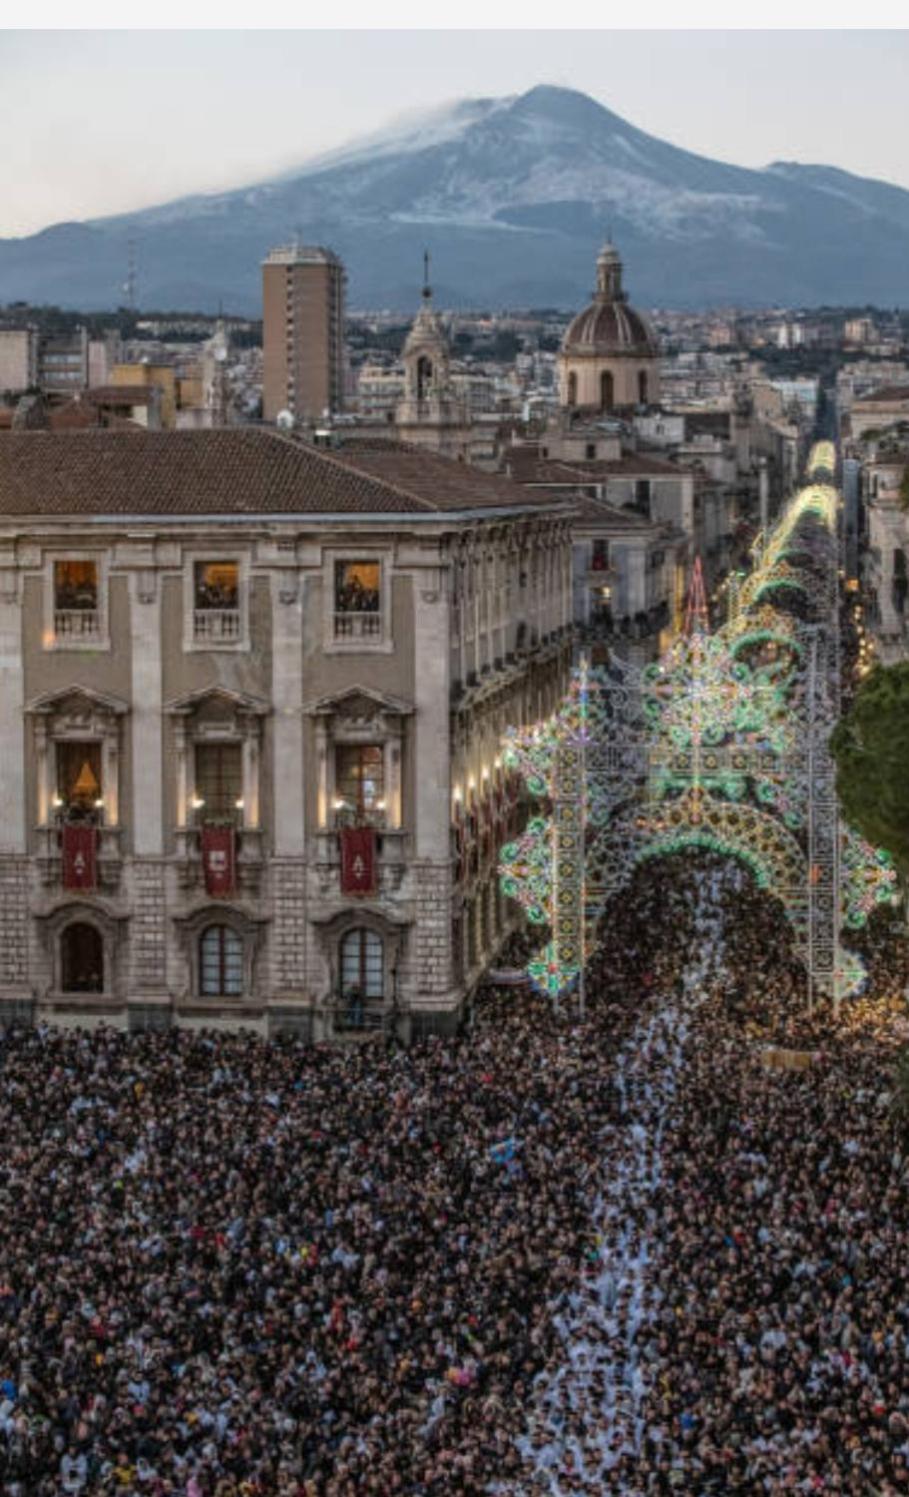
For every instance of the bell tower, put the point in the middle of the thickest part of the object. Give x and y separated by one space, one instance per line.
430 414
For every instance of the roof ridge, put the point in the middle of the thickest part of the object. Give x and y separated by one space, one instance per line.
331 460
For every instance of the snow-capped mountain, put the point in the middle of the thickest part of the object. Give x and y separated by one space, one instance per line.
513 197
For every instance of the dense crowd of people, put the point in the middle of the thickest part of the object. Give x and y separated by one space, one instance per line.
624 1255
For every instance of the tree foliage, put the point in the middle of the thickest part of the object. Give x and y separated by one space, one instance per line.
871 748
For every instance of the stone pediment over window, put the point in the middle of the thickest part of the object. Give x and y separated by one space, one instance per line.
359 706
78 708
218 700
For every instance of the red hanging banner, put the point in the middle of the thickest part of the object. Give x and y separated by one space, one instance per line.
358 860
80 864
218 859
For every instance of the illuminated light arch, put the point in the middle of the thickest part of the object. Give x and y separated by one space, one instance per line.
774 634
698 819
822 459
784 580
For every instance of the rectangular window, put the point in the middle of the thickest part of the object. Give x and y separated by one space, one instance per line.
216 601
219 782
642 493
221 963
357 600
360 784
79 787
76 614
600 559
362 964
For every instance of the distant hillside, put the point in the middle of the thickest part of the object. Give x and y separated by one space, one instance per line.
513 197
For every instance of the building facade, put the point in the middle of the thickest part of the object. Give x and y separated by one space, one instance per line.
302 333
251 699
884 479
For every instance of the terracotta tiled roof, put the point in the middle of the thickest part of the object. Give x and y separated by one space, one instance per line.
243 471
527 467
886 392
122 394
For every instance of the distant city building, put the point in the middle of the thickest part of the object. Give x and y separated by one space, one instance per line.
610 358
860 331
302 333
18 360
879 409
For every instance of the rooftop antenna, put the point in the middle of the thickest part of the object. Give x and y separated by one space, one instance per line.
129 285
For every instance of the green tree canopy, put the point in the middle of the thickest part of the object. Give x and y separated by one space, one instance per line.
871 748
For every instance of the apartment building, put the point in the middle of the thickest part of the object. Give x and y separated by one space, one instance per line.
302 333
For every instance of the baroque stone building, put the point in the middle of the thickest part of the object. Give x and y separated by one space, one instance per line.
251 696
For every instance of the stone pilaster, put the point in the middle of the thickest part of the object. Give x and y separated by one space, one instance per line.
12 744
14 929
148 932
147 740
287 702
288 929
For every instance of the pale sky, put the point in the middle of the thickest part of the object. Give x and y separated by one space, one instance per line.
97 122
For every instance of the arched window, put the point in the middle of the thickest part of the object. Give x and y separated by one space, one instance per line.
220 962
572 389
424 376
82 959
642 387
607 391
362 964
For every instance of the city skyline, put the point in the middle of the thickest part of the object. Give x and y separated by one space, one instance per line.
747 98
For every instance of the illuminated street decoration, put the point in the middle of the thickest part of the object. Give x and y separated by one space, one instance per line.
869 879
851 973
526 867
698 694
702 749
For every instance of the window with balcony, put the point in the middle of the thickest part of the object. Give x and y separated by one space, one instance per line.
360 784
216 602
79 795
357 600
76 610
600 557
220 962
218 784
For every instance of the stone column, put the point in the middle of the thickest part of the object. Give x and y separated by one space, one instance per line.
250 753
110 774
184 778
44 786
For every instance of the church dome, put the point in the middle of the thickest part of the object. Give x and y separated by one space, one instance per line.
609 327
